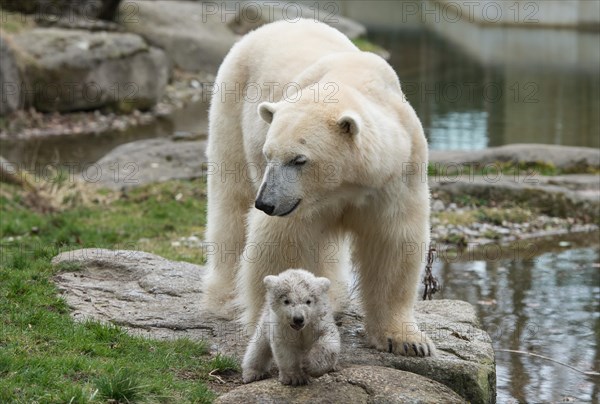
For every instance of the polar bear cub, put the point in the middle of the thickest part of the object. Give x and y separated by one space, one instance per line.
296 328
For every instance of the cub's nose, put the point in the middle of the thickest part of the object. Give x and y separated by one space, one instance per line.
265 207
298 320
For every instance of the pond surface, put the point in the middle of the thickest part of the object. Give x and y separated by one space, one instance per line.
78 151
548 305
469 97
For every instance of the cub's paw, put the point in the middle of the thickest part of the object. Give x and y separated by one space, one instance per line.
249 376
294 379
413 344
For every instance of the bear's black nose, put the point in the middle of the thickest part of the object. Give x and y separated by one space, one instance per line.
299 320
268 209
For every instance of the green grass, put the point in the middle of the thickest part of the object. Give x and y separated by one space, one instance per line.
47 357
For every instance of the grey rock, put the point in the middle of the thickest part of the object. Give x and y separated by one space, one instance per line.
10 79
257 13
361 384
193 38
437 206
48 9
158 298
151 160
563 157
69 70
561 196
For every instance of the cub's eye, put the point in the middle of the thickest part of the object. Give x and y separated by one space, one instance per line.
308 302
286 302
298 161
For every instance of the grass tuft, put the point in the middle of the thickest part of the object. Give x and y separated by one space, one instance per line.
122 386
222 363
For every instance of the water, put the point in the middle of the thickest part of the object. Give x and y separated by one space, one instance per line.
469 97
548 305
78 151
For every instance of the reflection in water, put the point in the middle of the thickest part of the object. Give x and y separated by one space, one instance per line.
549 305
469 97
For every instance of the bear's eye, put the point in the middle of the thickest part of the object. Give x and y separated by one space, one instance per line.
298 161
308 302
286 302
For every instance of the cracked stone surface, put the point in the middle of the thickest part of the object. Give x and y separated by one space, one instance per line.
158 298
362 384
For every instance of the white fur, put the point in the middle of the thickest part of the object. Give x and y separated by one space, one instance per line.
360 187
313 349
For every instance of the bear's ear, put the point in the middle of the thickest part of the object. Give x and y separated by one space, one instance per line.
323 284
266 111
270 281
350 123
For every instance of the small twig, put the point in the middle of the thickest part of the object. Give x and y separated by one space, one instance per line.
431 283
588 373
216 376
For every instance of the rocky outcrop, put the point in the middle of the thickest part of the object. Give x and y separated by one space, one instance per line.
576 195
10 79
361 384
566 158
158 298
193 38
68 70
569 195
150 161
49 9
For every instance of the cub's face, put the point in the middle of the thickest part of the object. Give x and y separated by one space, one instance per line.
296 297
309 155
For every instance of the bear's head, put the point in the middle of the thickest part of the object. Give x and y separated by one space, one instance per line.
297 297
321 156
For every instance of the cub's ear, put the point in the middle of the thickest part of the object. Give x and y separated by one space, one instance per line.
266 111
350 123
270 281
323 284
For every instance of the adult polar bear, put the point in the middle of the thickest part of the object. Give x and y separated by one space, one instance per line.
335 158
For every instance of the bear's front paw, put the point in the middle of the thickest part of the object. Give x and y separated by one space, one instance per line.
407 344
249 376
294 379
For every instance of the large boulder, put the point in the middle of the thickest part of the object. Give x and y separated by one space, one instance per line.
69 70
158 298
194 39
151 160
49 9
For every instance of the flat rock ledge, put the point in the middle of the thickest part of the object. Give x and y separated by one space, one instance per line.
154 297
151 161
569 158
